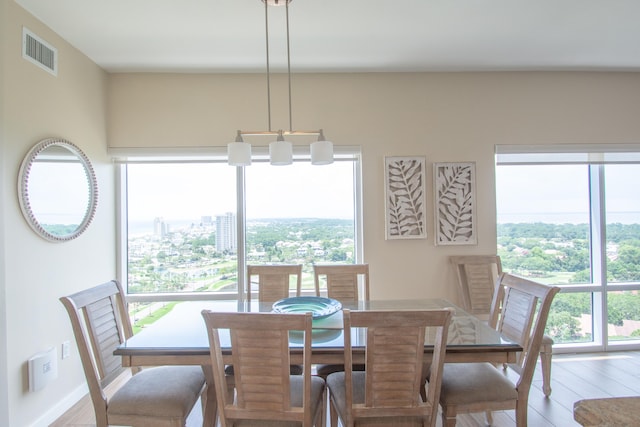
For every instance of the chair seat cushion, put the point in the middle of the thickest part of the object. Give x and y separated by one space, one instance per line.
547 340
166 391
335 382
297 384
336 385
324 370
475 382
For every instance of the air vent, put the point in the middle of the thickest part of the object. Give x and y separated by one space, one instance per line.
39 52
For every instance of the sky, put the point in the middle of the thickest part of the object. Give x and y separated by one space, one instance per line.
537 191
179 191
189 191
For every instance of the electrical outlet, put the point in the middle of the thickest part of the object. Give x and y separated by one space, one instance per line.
65 349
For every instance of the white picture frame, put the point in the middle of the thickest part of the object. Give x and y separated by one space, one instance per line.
455 203
405 197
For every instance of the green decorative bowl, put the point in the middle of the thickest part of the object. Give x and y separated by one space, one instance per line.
318 306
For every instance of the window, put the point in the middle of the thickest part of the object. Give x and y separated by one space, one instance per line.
570 216
175 241
543 222
300 214
190 227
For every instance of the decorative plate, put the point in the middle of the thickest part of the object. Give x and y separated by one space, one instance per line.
318 306
317 336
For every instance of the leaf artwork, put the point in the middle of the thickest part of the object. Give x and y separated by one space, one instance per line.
405 198
462 331
455 223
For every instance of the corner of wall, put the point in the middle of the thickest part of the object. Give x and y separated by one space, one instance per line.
4 392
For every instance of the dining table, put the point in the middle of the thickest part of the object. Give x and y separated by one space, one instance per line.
180 338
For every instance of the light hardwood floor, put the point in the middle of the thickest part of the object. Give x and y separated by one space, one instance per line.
573 377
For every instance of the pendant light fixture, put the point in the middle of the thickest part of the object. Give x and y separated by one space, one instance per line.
280 150
239 152
321 151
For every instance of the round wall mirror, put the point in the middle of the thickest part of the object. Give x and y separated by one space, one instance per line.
57 189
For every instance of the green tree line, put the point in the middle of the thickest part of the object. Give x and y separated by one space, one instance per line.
559 253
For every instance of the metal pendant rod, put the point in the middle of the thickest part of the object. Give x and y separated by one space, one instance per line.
289 67
266 27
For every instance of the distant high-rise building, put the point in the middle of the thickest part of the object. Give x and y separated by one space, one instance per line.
160 228
206 220
226 233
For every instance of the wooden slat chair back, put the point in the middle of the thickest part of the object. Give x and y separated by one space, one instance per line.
476 387
343 281
103 328
477 276
388 391
518 312
266 393
273 281
100 324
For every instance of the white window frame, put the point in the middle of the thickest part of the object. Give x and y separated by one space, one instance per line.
123 156
595 156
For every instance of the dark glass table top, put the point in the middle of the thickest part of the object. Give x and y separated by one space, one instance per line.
182 331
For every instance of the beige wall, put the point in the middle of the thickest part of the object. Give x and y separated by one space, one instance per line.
36 272
4 392
447 117
444 116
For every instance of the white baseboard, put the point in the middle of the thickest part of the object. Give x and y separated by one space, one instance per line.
61 407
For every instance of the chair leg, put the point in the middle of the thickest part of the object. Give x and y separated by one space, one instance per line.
521 412
319 420
448 417
209 405
333 415
323 409
449 422
488 417
231 388
545 361
208 398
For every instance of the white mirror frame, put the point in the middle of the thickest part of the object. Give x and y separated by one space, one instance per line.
23 189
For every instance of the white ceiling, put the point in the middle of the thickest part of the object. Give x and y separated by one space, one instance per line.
350 35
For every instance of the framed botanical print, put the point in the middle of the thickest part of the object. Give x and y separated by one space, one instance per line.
405 198
455 203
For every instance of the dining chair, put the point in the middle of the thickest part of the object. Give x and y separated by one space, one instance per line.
343 281
272 281
347 283
388 391
160 396
478 387
477 275
266 393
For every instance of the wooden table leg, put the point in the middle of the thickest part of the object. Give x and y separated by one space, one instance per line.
209 401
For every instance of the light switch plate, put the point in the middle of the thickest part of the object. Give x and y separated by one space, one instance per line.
65 349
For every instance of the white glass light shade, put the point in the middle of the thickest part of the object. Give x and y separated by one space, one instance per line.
281 153
322 153
239 153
